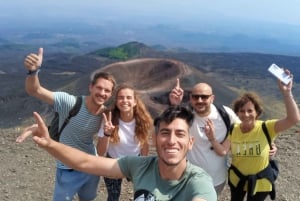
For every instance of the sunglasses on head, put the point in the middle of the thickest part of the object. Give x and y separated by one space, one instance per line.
202 96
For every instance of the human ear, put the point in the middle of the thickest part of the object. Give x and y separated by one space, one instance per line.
191 142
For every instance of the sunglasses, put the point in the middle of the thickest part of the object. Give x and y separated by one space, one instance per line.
202 96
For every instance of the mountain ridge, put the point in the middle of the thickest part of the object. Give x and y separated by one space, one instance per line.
153 73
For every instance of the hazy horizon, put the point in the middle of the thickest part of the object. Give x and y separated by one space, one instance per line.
272 11
195 24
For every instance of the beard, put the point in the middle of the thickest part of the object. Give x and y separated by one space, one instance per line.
201 108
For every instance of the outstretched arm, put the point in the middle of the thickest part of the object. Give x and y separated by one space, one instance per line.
292 111
72 157
32 83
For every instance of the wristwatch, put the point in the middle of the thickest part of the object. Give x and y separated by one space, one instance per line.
33 72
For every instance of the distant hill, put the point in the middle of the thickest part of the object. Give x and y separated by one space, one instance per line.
152 72
123 52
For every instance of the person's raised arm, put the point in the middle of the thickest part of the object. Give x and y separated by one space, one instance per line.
176 94
107 129
292 110
72 157
33 87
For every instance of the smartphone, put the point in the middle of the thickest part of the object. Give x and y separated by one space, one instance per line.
280 74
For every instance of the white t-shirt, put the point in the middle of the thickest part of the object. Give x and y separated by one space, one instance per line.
202 155
128 145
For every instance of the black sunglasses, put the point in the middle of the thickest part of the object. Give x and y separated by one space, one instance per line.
202 96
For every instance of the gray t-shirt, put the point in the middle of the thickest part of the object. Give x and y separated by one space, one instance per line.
148 185
80 130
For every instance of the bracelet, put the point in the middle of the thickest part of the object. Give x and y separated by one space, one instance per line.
33 72
107 135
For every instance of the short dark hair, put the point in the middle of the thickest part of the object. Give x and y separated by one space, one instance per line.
173 112
105 75
248 97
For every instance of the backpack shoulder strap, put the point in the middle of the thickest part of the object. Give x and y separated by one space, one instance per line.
224 116
73 112
231 129
266 132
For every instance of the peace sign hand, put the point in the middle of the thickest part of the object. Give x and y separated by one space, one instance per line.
209 130
108 127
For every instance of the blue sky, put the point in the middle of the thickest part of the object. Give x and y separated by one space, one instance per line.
278 11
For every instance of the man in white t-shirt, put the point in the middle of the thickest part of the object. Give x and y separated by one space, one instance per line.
201 100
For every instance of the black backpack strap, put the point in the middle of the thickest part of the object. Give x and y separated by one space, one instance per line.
231 129
273 163
266 132
73 112
225 118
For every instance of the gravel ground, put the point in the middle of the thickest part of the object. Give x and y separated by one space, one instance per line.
27 172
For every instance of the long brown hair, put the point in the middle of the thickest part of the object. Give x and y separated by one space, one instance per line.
143 119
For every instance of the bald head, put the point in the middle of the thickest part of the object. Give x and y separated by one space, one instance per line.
203 88
201 99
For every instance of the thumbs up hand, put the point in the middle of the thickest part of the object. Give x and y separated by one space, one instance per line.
34 61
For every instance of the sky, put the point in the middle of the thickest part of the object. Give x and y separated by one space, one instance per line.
270 21
276 11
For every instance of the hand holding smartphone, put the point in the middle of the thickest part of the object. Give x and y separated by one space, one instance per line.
280 74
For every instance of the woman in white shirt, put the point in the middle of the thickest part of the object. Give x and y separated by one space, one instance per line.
124 131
